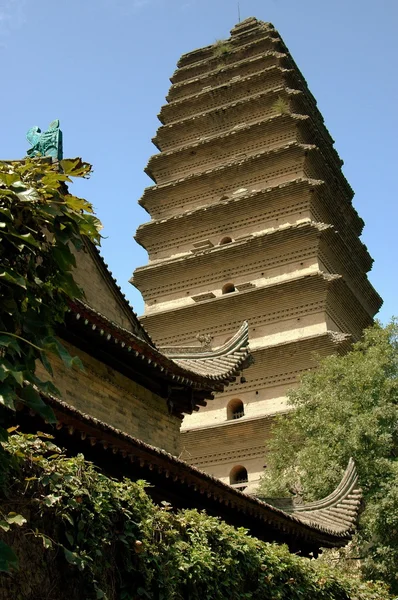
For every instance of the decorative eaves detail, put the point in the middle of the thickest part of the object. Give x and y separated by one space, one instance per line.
208 370
337 512
223 362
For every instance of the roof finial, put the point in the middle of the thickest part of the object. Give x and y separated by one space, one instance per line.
238 12
46 143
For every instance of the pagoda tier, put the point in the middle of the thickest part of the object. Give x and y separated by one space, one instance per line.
253 261
217 445
284 304
251 219
264 209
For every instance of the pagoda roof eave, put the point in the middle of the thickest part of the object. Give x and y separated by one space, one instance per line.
151 192
311 183
183 121
227 134
269 233
322 278
202 93
272 38
228 67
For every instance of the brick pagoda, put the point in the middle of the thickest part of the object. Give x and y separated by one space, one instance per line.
251 219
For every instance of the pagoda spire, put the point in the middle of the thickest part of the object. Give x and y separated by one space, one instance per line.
251 219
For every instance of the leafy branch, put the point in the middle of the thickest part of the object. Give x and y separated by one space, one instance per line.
41 224
117 543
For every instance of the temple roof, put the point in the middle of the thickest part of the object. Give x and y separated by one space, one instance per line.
196 372
335 512
326 523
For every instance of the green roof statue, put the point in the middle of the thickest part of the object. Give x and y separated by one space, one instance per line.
46 143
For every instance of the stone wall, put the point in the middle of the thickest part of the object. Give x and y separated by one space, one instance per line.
106 394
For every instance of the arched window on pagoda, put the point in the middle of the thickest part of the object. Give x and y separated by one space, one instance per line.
235 409
228 288
226 240
238 475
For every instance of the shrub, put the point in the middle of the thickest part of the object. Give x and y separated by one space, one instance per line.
97 537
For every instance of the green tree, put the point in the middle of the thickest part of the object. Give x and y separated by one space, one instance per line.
347 407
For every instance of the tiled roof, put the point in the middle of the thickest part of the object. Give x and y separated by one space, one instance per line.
337 512
221 363
209 370
327 523
97 256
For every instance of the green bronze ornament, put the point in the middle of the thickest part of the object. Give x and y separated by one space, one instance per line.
46 143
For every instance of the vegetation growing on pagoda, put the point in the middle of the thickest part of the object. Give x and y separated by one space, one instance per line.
84 535
221 48
347 407
281 106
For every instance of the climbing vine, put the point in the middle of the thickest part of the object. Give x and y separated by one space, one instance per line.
116 543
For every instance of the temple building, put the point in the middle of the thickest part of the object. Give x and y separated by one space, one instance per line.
251 219
123 412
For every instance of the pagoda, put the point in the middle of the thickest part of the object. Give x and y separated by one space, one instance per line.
251 219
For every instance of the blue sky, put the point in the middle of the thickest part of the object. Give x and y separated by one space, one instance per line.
102 68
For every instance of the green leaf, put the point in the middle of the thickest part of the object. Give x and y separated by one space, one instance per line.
3 434
4 525
8 179
46 363
64 257
75 167
47 387
50 500
4 371
10 342
8 558
51 344
15 519
6 213
78 204
32 399
17 375
47 542
27 238
10 276
73 558
7 395
70 538
69 286
28 195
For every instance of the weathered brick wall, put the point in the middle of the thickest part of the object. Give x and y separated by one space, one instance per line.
102 392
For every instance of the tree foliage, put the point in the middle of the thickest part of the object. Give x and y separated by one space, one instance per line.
118 545
347 407
40 224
